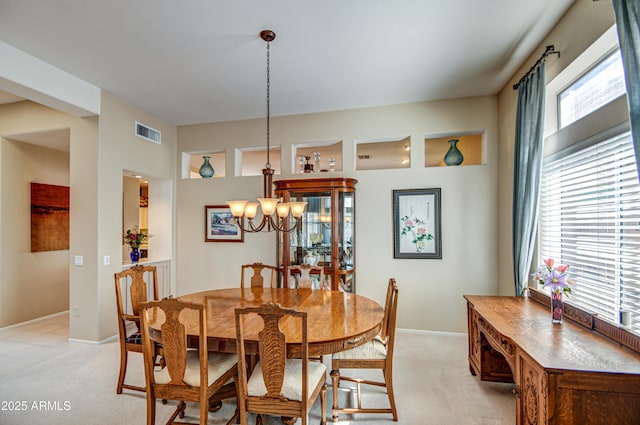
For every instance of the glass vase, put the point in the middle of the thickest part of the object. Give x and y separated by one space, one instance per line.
134 255
453 156
206 170
556 307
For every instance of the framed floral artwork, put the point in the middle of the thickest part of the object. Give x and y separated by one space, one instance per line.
416 224
220 226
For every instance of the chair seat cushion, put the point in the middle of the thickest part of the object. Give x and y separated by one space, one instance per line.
372 350
292 385
219 364
135 338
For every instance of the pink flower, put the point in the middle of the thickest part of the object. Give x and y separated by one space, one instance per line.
421 231
555 278
408 223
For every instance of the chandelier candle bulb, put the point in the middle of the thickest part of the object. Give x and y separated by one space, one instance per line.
283 209
251 210
297 208
268 205
237 207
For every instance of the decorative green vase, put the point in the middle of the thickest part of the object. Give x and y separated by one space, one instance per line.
206 170
453 156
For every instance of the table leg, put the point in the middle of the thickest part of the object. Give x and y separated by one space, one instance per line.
335 383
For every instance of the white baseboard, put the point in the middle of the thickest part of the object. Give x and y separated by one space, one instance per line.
425 332
89 342
36 320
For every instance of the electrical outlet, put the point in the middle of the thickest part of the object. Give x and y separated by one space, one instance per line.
78 260
107 260
76 311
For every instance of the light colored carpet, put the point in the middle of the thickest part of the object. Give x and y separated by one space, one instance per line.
45 379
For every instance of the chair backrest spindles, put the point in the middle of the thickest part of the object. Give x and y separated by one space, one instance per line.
132 290
272 347
390 314
257 278
174 337
303 273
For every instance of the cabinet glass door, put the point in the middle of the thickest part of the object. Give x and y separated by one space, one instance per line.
346 243
311 241
325 234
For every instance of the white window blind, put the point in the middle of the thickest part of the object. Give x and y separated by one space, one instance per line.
590 220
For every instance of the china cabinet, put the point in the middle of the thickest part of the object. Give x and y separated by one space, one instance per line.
325 235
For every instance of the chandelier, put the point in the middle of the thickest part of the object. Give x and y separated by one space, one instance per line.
275 214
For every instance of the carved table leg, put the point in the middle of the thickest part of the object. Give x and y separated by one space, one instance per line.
335 382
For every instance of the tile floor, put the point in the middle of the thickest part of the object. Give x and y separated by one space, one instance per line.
27 345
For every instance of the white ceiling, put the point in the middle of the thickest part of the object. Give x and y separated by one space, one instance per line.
202 60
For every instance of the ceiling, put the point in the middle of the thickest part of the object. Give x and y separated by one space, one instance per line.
202 60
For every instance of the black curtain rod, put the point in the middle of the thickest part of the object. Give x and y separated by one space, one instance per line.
550 50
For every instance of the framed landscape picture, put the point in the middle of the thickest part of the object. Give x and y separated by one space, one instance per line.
416 224
220 226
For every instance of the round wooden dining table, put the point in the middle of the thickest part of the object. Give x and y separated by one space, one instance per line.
337 321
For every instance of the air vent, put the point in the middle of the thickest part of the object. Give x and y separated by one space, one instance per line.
364 156
148 133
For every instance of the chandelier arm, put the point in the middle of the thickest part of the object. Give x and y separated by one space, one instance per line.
252 228
282 228
277 224
260 226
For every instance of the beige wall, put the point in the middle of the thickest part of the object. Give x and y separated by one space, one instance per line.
42 278
476 200
430 290
580 27
26 117
121 150
99 151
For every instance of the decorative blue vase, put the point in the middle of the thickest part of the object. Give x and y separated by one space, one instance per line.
206 170
134 255
453 156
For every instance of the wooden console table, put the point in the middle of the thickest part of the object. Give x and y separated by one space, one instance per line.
563 373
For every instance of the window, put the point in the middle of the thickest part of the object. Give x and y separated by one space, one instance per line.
597 87
590 220
590 195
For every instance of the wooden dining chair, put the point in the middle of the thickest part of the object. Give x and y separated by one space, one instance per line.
278 385
375 354
132 290
300 276
193 375
258 276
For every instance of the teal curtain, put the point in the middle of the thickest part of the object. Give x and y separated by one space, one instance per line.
628 22
527 170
